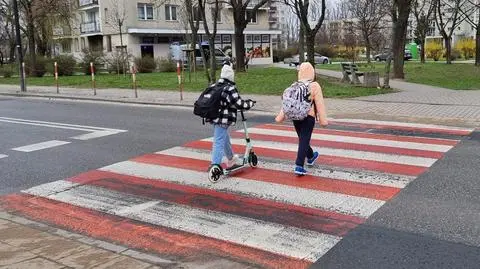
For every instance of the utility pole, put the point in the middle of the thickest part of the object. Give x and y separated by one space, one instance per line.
19 47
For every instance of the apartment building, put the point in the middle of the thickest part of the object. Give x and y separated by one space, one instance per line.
150 29
464 29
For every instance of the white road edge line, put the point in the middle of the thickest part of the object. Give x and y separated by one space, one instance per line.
41 146
3 156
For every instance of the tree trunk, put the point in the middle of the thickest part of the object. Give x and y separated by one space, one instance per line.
368 52
310 37
398 40
477 44
122 53
213 60
422 50
301 44
386 79
448 48
239 48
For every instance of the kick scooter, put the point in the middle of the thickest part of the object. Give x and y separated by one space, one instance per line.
216 171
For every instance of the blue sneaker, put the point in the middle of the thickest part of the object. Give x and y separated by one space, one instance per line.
311 162
300 171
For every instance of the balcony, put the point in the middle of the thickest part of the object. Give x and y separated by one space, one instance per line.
83 3
90 27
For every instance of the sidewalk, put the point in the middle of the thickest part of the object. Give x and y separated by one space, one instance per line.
26 244
414 102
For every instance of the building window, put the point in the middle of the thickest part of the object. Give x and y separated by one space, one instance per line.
145 11
109 43
197 16
219 14
83 45
77 45
170 13
253 15
257 46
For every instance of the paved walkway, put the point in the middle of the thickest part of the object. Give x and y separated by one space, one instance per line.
26 244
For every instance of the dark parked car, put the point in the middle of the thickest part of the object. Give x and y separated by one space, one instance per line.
384 55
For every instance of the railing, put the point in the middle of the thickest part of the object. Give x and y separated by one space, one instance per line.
82 3
90 27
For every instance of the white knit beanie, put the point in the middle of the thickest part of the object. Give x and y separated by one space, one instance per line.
227 72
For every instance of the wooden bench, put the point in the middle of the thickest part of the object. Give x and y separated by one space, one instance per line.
351 69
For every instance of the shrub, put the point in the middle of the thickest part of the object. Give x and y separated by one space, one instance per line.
326 50
434 50
66 65
116 62
467 47
39 69
95 57
167 65
7 72
145 64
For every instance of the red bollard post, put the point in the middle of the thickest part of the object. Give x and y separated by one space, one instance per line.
179 75
134 79
92 71
56 77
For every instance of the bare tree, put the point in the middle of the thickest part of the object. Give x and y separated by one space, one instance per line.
116 18
210 34
303 9
423 11
368 15
7 35
469 11
400 11
448 17
241 18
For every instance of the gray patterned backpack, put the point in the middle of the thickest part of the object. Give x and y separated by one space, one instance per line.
295 101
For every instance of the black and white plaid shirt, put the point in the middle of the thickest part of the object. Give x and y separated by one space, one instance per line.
230 103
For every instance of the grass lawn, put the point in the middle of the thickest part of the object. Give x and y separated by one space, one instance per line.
453 76
268 81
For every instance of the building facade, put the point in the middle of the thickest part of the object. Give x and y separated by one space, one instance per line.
150 29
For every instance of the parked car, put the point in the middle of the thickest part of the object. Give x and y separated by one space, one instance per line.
178 53
319 59
384 55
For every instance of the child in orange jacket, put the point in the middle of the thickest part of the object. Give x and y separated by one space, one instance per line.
304 128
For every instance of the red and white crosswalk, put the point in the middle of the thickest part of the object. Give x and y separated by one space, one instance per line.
162 202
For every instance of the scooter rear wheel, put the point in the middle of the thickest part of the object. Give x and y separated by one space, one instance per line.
253 159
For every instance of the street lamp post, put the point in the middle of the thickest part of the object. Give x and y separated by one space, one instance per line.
19 47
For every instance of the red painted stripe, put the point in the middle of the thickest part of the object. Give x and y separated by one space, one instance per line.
348 146
403 128
279 177
413 139
140 235
305 218
392 168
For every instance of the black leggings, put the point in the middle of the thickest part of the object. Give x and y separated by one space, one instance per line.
304 130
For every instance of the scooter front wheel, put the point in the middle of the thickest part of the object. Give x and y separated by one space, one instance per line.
214 173
253 159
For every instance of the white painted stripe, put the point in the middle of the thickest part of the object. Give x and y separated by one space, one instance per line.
91 128
355 154
41 146
3 156
397 181
342 203
403 124
51 188
356 140
48 125
96 134
272 237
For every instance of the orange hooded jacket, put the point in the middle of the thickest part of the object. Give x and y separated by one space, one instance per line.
306 72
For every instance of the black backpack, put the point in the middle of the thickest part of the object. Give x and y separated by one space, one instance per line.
208 105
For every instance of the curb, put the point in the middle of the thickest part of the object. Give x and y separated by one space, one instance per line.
117 101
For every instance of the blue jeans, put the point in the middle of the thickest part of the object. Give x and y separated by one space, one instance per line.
221 144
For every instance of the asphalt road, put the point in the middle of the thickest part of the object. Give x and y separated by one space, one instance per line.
432 223
148 130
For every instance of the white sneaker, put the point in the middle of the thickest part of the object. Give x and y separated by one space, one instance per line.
234 161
